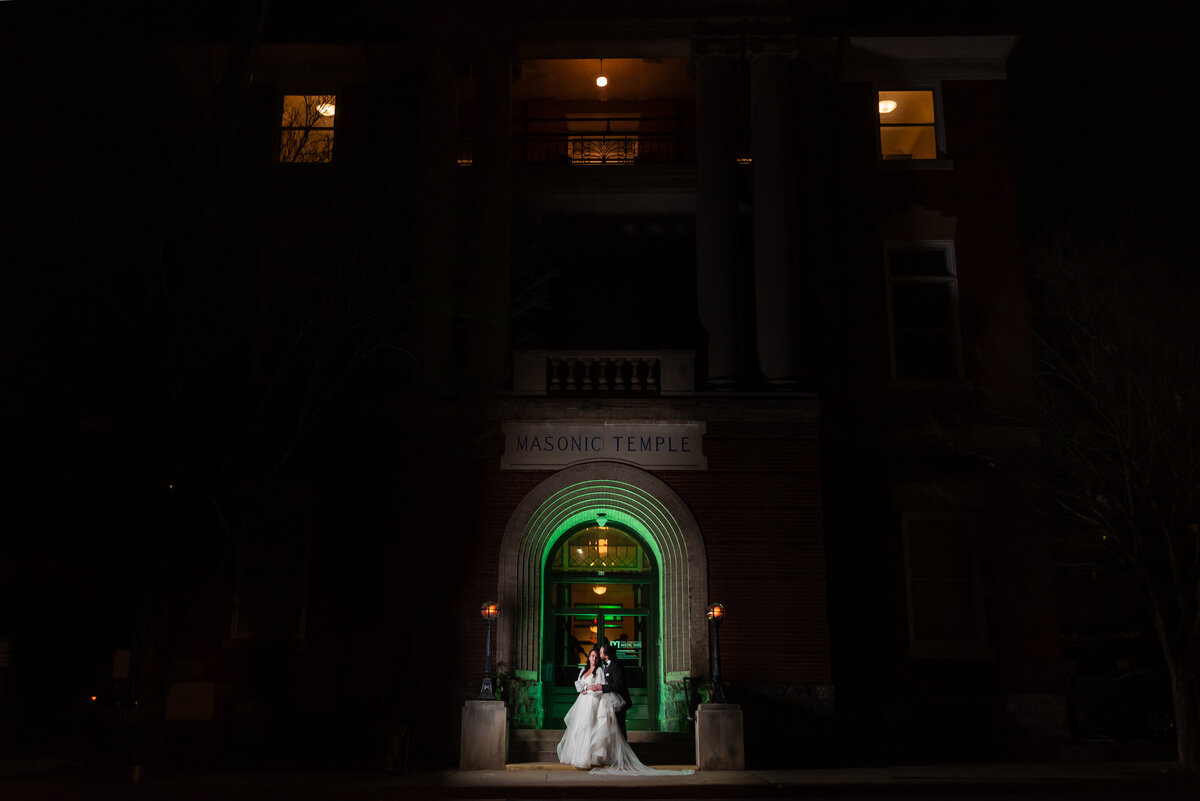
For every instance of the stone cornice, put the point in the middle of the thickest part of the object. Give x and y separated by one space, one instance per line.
926 59
723 407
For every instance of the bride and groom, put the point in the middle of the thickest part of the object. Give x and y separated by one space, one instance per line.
595 735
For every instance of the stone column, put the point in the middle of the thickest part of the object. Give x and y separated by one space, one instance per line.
718 289
774 206
489 271
437 157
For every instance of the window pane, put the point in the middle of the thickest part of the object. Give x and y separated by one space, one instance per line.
921 306
939 549
918 262
307 129
943 611
271 590
598 548
908 142
907 125
925 354
912 108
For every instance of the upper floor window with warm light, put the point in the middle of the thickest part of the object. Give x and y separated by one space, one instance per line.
907 125
307 127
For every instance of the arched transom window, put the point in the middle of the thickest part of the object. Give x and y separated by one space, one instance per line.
599 548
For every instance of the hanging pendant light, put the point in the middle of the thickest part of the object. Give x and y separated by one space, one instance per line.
601 81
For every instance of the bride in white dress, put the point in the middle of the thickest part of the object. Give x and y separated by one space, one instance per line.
593 738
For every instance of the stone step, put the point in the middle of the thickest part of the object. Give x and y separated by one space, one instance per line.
539 746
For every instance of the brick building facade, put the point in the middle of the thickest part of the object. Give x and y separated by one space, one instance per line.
733 239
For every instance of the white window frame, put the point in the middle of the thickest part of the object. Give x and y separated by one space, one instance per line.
975 648
280 102
951 279
943 160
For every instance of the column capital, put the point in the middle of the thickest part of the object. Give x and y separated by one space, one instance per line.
770 45
727 46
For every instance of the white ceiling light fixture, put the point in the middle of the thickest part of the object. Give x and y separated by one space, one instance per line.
601 81
887 106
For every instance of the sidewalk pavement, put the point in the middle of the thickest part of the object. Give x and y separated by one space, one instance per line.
1134 780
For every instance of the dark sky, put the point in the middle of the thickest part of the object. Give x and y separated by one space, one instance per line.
1103 136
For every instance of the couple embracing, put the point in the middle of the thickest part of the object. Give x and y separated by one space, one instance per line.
595 737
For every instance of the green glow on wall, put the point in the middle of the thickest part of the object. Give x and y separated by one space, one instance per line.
647 510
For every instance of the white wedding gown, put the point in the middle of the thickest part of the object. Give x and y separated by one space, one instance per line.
593 738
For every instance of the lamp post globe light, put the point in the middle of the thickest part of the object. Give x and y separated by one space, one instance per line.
490 611
716 613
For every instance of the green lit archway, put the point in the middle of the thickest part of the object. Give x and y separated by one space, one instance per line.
644 504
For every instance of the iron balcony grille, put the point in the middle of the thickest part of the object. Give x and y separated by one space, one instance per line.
612 140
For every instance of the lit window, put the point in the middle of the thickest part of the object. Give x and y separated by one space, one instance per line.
306 135
599 548
907 125
945 608
923 310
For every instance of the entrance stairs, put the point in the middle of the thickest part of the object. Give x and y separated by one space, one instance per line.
652 747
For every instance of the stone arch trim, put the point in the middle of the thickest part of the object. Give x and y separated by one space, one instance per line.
630 496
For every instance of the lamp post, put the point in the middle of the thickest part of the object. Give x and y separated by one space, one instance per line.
715 614
490 611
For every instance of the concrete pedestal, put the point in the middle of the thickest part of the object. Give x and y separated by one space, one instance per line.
485 736
720 744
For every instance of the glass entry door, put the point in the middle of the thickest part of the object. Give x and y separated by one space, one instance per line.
578 615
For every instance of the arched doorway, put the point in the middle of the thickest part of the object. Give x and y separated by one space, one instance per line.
636 503
601 585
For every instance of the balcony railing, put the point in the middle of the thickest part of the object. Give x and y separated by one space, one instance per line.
612 140
595 372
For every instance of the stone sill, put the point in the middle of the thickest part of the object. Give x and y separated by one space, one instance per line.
932 385
907 165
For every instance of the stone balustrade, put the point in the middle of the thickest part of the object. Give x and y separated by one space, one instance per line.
615 372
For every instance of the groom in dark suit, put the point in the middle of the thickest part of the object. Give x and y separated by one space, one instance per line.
614 682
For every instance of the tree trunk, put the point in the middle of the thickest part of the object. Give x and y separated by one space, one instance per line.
1187 718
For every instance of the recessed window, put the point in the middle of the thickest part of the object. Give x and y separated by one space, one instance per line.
944 596
271 585
907 125
923 310
307 127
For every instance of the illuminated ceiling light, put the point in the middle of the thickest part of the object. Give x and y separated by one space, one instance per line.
592 629
601 519
599 589
887 106
601 81
326 109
